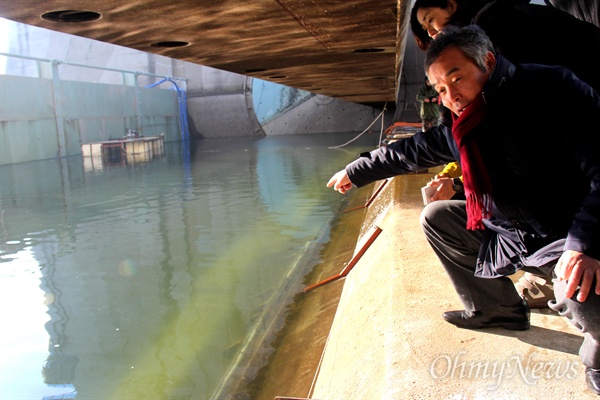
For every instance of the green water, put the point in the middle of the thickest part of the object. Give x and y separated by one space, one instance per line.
153 281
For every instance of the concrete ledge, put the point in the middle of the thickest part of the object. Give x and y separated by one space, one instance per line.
388 340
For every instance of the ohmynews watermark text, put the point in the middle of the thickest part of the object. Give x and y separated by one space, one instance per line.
529 369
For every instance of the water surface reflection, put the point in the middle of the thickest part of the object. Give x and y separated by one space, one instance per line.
148 280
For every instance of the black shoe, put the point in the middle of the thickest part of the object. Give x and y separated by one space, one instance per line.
592 378
515 317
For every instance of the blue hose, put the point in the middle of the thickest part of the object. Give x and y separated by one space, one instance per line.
183 121
185 132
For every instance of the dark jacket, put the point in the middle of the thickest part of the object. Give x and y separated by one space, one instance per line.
534 33
586 10
541 156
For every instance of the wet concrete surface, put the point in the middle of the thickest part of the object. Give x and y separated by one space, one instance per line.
389 341
384 338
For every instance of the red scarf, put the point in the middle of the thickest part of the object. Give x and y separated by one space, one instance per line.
478 188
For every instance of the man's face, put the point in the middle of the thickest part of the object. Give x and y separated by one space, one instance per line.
457 79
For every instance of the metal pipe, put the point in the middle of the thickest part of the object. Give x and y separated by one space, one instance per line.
87 66
357 256
368 203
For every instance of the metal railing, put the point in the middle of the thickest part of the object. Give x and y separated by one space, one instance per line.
50 69
56 63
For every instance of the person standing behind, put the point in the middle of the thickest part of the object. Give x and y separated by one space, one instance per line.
524 33
586 10
520 31
430 111
513 217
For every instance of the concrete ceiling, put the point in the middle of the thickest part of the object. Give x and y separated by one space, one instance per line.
346 49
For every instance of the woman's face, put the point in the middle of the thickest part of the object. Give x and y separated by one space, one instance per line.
433 19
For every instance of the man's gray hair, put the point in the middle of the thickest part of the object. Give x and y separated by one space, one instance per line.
471 40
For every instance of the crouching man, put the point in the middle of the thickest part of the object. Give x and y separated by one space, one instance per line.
515 216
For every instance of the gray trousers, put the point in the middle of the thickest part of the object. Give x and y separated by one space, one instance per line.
444 225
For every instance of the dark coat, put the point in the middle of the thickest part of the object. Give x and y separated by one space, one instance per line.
534 33
541 156
586 10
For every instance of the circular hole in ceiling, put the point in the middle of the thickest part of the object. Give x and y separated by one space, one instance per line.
170 44
369 50
71 16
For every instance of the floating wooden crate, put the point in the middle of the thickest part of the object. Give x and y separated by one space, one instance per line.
121 151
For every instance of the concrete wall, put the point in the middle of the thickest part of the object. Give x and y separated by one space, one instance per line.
412 77
49 107
222 104
219 103
42 118
321 114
